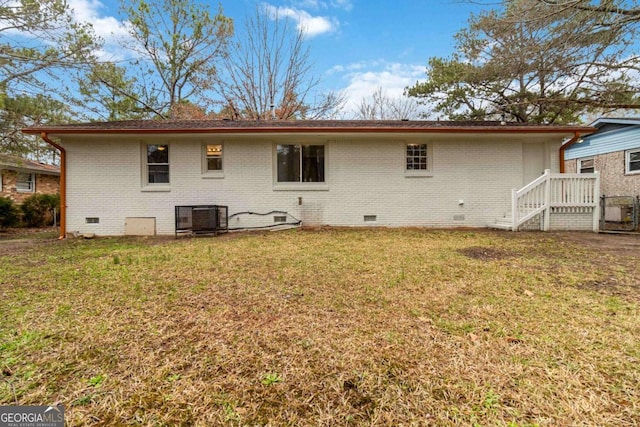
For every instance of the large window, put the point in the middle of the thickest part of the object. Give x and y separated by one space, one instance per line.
213 155
586 165
157 164
25 182
300 163
417 158
632 161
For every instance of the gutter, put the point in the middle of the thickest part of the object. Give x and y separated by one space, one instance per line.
63 184
563 147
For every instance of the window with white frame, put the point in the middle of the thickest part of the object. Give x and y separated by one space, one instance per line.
632 161
586 165
157 164
300 163
213 157
417 157
25 182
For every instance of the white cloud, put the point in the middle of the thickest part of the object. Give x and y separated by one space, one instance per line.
365 78
311 25
320 4
342 4
106 27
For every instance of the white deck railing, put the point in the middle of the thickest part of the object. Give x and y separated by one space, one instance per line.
556 190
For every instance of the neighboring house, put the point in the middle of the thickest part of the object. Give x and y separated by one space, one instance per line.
22 178
614 151
339 173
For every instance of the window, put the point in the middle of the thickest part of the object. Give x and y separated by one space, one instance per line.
417 157
300 163
157 164
213 156
632 161
586 165
25 182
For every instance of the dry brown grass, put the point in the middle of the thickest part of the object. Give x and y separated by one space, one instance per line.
324 328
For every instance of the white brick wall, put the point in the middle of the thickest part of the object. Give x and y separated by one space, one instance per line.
365 176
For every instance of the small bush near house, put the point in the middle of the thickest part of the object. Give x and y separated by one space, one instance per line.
37 210
8 213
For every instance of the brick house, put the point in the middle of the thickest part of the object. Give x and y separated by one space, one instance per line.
327 172
22 178
614 151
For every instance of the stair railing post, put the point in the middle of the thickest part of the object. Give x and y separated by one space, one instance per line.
547 201
514 209
596 201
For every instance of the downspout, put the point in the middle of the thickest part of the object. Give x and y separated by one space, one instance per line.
63 184
569 143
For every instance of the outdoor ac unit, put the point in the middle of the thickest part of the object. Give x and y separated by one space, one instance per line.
201 219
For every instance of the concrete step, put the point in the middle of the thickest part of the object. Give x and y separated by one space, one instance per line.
501 223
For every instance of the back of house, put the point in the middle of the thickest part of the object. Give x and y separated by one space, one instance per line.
130 177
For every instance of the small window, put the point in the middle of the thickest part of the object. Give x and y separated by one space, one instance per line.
632 161
586 165
25 182
300 163
417 158
157 164
213 156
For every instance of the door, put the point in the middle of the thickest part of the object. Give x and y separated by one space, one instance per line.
533 162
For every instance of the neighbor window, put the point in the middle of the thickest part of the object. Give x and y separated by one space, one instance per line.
300 163
157 164
632 161
25 182
586 165
213 155
417 157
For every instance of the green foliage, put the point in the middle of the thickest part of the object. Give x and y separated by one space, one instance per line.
113 95
41 44
8 213
97 380
26 110
524 63
37 209
271 379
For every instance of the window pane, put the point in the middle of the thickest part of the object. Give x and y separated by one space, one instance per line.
24 182
158 174
214 164
416 156
288 158
587 166
157 154
214 157
634 161
313 163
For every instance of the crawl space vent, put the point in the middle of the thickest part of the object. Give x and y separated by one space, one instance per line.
370 218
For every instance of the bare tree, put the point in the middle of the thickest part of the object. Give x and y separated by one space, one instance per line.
268 74
381 106
177 44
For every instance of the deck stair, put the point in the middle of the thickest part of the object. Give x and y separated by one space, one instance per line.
548 192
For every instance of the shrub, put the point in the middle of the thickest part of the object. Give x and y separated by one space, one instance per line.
8 213
37 209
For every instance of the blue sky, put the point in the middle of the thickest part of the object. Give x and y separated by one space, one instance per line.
356 45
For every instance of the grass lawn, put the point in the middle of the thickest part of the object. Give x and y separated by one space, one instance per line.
324 328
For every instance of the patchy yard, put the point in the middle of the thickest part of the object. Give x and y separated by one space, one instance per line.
326 327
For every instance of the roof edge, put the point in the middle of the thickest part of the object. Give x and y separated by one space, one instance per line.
61 130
